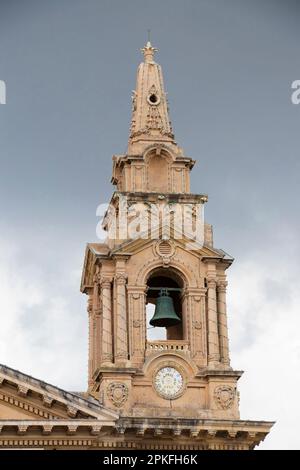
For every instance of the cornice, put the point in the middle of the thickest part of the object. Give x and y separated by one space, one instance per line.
48 394
133 432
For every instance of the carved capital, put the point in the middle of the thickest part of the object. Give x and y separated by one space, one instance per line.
221 286
121 279
211 283
105 282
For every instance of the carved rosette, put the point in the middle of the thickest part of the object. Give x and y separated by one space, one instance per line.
224 396
117 392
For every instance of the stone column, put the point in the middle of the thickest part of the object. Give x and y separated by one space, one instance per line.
106 333
212 317
91 341
222 317
97 321
121 327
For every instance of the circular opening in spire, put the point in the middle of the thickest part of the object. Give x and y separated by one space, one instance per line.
153 99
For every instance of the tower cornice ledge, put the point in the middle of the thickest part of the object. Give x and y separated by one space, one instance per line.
148 196
220 373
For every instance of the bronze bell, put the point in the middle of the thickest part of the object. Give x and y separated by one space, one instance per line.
164 314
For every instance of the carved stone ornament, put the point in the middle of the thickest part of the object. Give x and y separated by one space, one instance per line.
117 392
121 278
165 248
224 396
197 324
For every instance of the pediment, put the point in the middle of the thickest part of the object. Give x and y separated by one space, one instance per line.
185 241
24 397
131 247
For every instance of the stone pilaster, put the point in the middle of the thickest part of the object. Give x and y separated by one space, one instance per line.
194 323
91 340
97 321
212 317
222 317
121 327
137 323
106 333
198 346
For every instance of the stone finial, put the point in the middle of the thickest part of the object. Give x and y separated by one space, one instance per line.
149 52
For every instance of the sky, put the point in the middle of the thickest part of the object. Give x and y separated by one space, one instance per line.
69 67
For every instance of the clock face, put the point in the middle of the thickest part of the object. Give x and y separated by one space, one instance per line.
169 382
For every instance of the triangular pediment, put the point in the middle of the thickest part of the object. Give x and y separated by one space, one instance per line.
133 246
185 241
24 397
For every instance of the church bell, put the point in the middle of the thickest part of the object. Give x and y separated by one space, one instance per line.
164 314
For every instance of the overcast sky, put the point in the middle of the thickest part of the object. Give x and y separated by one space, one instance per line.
69 68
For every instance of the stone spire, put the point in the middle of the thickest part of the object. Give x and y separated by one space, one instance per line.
150 115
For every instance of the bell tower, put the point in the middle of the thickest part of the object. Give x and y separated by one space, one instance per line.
156 287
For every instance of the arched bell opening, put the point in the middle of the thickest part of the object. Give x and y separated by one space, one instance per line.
164 307
158 171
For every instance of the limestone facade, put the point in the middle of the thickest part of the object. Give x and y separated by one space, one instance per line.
125 405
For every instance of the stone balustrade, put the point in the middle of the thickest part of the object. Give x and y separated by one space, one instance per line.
167 345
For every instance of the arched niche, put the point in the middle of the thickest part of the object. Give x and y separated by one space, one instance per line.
161 278
158 170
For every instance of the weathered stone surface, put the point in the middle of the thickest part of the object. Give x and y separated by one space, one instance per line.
175 393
